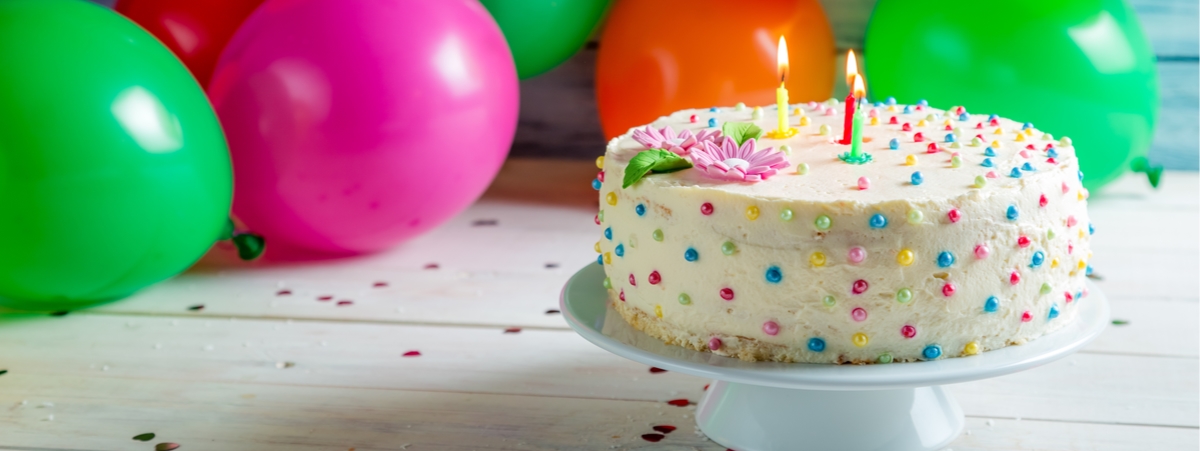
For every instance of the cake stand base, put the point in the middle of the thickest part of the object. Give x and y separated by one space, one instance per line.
748 417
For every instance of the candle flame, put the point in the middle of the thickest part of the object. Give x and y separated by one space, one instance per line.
781 58
851 68
860 89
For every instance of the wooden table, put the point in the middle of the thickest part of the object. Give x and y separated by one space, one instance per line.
313 356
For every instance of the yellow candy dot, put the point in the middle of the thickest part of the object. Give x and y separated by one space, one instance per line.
921 123
1029 132
891 108
600 162
824 130
817 259
948 122
905 257
859 339
751 212
1082 264
798 112
1080 196
971 348
995 145
875 121
804 120
1020 137
658 311
999 131
910 160
611 198
1054 262
1081 234
597 247
608 258
1065 141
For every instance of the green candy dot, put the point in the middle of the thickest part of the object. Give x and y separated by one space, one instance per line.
903 295
728 248
657 235
1045 288
601 215
823 222
1049 234
829 301
915 216
884 358
786 214
607 283
685 299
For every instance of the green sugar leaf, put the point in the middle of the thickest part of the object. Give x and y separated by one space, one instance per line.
741 132
658 161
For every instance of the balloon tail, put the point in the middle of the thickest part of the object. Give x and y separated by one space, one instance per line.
1153 172
250 246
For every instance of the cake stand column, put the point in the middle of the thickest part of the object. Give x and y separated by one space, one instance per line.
748 417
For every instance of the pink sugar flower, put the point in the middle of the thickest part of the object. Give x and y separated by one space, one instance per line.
666 139
727 161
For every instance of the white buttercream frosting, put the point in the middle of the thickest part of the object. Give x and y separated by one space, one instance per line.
763 241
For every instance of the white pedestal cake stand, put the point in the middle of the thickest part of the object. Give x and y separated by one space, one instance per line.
767 406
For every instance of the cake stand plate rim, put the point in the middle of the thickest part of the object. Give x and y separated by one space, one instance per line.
584 303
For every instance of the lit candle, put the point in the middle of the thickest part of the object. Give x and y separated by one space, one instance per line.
856 155
851 98
781 94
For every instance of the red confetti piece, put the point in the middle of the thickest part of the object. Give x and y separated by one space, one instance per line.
379 284
931 148
325 298
705 387
283 293
653 437
435 265
196 308
412 354
553 311
681 402
656 370
512 330
344 302
665 428
893 121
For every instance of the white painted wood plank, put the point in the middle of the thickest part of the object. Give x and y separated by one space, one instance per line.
103 414
1154 328
1088 387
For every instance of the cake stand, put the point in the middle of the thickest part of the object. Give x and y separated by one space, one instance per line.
767 406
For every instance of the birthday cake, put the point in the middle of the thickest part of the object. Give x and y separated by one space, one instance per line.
934 234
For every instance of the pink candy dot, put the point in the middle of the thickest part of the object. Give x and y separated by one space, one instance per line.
918 137
770 328
948 290
1026 317
655 278
600 176
1069 296
858 314
597 218
1014 278
864 183
706 209
714 343
727 294
1023 241
622 295
1024 154
1071 221
1065 188
908 331
856 254
931 148
990 174
953 215
859 287
1042 201
982 251
693 118
632 280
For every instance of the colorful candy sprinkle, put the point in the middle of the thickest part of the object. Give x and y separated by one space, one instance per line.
785 214
1046 288
752 213
830 301
714 343
1026 317
905 257
1014 278
894 143
611 198
607 283
684 299
989 152
1015 173
991 304
856 254
982 251
1053 313
817 259
915 216
903 295
878 221
600 162
864 183
884 358
608 233
1022 241
971 348
980 181
658 311
619 250
910 160
953 215
932 352
908 331
774 274
823 222
596 184
657 235
816 344
640 210
728 248
859 286
1038 258
712 122
859 314
1012 214
726 294
945 259
859 339
948 289
917 178
802 168
691 255
706 209
770 328
632 280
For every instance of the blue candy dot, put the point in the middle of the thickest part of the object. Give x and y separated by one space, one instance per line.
1091 230
596 184
964 117
989 152
949 137
1012 214
891 100
600 259
1039 257
1078 295
1027 167
917 178
878 221
1089 270
1016 173
932 352
907 109
712 122
878 104
1053 312
1081 176
894 144
816 344
1052 153
1027 126
713 109
608 233
923 102
691 255
992 117
774 275
992 304
945 259
640 210
620 250
987 163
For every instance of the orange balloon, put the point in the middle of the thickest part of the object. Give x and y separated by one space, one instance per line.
661 56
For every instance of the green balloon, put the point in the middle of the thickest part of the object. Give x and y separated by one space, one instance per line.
1077 68
114 173
544 33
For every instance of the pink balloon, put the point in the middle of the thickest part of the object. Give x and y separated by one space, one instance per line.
357 124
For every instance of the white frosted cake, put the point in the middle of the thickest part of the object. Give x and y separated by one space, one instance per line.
963 233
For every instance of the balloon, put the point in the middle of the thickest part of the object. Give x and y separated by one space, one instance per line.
356 124
666 55
544 33
1073 68
114 173
195 30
